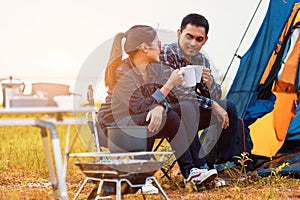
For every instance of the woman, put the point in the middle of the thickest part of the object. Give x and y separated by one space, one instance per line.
136 96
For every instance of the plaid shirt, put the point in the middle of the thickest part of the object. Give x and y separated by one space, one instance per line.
172 58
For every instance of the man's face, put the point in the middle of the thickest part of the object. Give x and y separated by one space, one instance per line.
191 39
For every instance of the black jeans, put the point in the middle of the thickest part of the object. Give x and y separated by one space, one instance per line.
189 117
224 142
175 132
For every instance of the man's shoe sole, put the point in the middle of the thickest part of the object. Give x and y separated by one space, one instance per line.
207 180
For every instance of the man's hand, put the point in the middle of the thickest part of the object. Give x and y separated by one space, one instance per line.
155 117
207 78
221 114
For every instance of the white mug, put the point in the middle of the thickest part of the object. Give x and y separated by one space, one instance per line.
198 72
189 76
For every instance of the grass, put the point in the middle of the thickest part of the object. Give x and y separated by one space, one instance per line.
24 174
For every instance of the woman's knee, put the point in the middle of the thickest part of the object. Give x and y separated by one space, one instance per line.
172 118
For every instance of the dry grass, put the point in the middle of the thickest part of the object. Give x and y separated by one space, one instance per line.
24 175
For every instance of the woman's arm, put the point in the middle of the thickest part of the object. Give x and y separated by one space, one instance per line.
175 79
128 91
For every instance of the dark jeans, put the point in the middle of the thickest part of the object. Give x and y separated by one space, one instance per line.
176 134
226 140
189 115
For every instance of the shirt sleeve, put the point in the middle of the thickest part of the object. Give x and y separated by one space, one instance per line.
215 91
129 92
168 57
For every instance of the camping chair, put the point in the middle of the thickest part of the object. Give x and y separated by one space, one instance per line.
119 168
100 139
100 136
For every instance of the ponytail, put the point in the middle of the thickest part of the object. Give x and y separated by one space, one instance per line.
135 36
115 59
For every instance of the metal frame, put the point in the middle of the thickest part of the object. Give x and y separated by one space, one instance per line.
44 124
118 182
118 178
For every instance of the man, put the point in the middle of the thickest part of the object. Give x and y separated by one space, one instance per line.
213 113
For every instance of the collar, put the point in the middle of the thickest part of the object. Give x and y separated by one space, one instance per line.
192 61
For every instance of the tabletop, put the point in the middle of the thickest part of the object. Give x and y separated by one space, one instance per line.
15 116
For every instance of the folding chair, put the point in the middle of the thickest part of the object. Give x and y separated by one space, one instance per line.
167 168
118 168
96 128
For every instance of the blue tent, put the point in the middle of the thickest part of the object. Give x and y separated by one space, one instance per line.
258 80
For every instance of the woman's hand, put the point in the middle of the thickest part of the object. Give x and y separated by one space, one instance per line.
221 114
207 78
155 117
175 79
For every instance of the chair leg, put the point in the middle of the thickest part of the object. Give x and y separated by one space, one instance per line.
165 172
159 143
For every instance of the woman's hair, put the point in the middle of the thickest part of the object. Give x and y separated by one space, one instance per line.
135 36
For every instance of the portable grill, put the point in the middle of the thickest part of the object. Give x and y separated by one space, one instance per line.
129 168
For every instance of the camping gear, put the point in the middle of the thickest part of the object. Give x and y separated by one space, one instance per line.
68 101
125 170
28 101
127 138
11 87
50 90
134 169
265 89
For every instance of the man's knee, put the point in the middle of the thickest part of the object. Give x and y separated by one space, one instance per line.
229 107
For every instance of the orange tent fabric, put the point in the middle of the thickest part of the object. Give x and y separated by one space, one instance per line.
283 113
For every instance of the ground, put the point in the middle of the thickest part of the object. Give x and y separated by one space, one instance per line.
22 184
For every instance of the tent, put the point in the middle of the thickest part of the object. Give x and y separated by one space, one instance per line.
266 86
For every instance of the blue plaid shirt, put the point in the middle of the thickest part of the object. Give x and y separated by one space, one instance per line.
172 58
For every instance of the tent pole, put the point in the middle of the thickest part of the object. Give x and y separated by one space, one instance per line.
235 54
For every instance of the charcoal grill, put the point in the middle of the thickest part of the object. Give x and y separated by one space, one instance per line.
120 168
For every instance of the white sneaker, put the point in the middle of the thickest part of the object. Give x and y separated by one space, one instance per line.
201 176
148 188
220 182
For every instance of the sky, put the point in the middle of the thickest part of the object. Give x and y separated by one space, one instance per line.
43 40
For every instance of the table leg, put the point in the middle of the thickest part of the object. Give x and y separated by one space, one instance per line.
49 163
65 162
57 156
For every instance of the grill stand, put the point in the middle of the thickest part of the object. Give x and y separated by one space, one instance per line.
118 182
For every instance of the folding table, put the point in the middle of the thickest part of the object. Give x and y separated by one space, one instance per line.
49 118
